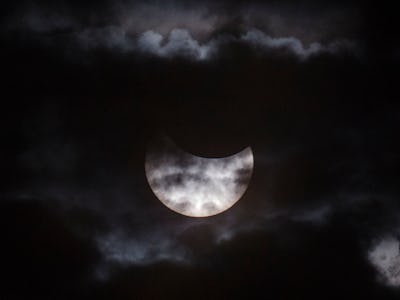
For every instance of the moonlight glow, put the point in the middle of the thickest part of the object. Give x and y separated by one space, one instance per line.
197 186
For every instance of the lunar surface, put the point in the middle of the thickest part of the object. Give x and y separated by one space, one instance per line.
196 186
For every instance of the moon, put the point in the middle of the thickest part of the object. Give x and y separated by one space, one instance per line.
196 186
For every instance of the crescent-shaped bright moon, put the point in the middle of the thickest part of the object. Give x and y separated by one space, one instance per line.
197 186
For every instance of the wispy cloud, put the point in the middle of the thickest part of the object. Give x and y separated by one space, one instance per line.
181 43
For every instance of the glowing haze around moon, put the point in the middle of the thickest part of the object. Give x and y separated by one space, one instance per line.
197 186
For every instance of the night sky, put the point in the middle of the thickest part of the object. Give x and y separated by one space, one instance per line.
310 86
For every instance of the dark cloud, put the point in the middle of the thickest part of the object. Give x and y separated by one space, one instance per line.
303 264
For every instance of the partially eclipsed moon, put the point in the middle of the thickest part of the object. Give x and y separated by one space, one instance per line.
196 186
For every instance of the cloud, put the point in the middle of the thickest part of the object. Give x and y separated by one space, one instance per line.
155 247
294 45
189 31
179 43
385 257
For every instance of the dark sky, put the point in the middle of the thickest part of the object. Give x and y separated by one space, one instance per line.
311 86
